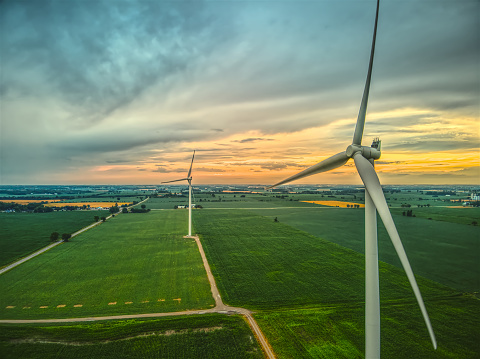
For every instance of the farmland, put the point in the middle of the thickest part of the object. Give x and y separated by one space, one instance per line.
304 281
23 233
337 331
308 293
263 264
439 250
200 336
133 263
88 204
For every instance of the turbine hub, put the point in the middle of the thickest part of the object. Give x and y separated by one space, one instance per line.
367 152
352 149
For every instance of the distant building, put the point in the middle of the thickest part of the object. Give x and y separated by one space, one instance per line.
475 197
185 206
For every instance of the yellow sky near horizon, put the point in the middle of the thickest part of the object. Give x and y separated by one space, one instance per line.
258 158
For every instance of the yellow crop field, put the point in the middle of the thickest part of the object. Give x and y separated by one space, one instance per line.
91 204
340 204
27 201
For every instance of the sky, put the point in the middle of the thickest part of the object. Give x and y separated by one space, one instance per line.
122 92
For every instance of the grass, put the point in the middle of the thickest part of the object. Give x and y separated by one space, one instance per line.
309 293
449 214
138 261
24 233
262 264
200 336
337 331
442 251
225 201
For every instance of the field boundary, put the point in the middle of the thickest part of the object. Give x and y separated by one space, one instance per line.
220 307
50 246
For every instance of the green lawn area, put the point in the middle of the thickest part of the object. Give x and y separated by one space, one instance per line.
141 262
199 336
24 233
445 252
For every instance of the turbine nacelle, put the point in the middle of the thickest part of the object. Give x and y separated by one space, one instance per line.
367 152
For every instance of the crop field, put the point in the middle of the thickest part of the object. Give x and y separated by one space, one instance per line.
199 336
24 233
226 201
89 204
445 252
309 293
338 331
263 264
133 263
340 204
118 199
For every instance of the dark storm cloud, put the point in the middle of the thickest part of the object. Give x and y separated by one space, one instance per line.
87 82
100 55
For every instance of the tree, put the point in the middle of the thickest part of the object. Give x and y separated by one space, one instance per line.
103 219
474 223
96 218
143 206
54 236
66 237
276 219
124 210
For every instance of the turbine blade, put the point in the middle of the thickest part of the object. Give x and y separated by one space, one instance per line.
191 164
372 184
357 136
178 180
326 165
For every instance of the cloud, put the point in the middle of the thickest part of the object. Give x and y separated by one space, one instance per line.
89 83
206 169
253 139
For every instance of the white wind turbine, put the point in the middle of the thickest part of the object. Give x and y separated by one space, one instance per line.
374 201
189 179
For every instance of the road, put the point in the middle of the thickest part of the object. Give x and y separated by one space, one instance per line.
50 246
220 307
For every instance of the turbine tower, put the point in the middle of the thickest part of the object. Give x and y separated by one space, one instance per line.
364 157
189 179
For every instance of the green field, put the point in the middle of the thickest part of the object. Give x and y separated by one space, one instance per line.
445 252
309 293
338 331
138 261
262 264
24 233
199 336
304 281
227 200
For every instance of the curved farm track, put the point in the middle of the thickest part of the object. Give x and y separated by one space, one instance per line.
220 307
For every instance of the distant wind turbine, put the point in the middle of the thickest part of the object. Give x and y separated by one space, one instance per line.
374 201
189 179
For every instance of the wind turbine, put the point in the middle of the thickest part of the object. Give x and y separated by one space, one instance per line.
189 179
374 201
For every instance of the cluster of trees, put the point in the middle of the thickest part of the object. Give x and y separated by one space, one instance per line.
55 236
353 206
408 213
37 207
